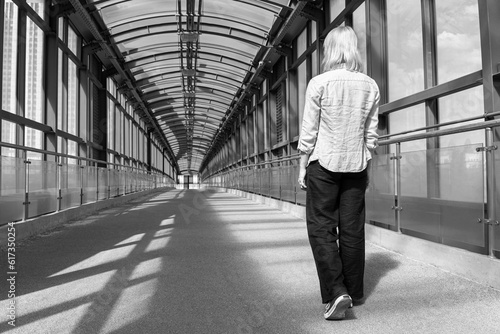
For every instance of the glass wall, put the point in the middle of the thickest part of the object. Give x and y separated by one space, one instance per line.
457 30
404 48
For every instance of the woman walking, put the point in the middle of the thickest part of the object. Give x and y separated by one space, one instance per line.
338 135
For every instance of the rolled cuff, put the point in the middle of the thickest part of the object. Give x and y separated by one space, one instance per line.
372 144
305 149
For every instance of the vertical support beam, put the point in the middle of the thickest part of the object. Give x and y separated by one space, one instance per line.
2 14
398 207
376 49
21 74
430 80
83 99
51 62
148 150
489 12
491 211
100 116
376 55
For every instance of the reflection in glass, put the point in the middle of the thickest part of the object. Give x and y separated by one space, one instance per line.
458 106
34 72
61 88
9 57
405 120
72 41
8 136
72 98
359 26
336 6
33 138
404 48
301 90
457 28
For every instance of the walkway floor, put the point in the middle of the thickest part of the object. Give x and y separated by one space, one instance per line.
187 261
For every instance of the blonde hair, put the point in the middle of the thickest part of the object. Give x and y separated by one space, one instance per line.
341 47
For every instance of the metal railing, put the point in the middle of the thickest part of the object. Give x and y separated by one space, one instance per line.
450 195
29 188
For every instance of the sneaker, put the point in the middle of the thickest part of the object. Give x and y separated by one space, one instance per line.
335 310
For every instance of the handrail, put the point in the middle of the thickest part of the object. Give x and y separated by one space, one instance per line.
37 150
443 132
232 168
458 129
463 120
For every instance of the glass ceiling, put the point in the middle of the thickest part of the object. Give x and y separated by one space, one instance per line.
189 59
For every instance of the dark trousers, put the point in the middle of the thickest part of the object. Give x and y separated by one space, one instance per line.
335 215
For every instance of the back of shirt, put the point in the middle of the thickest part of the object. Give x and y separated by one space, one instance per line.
340 120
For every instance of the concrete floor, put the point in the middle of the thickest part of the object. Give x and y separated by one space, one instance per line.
187 261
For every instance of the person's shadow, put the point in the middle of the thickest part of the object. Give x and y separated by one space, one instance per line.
377 265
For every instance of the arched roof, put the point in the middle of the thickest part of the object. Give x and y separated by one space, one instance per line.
188 61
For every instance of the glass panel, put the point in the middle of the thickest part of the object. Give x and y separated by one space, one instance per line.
457 28
301 91
72 98
265 181
38 6
42 188
212 21
460 173
111 124
414 174
72 41
70 186
458 106
12 189
275 182
450 216
336 6
61 98
314 64
33 138
381 191
243 13
34 72
301 44
8 136
462 191
113 183
359 26
9 57
405 48
89 184
60 28
405 120
288 186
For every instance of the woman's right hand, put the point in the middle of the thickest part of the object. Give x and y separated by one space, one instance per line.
302 178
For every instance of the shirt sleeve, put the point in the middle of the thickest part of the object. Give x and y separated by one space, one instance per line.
310 120
371 125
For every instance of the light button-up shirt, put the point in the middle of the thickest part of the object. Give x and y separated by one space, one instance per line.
339 125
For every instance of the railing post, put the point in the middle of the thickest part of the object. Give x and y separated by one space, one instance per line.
59 182
279 180
81 184
294 179
97 182
26 202
109 182
397 206
490 193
